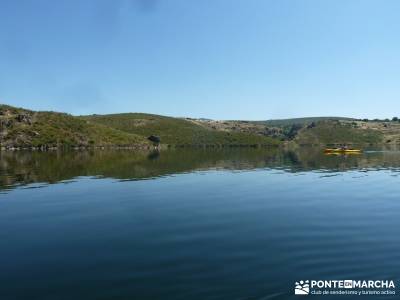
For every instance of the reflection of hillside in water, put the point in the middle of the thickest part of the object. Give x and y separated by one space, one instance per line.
18 168
309 159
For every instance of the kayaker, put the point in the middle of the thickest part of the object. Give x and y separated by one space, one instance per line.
344 147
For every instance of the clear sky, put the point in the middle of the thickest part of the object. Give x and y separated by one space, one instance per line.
221 59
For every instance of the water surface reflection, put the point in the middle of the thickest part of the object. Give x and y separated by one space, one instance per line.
21 168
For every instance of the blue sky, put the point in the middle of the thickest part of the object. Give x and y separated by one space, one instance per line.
221 59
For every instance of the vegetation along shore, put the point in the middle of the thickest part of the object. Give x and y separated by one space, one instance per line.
42 130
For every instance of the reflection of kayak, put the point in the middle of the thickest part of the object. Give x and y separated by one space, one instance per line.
342 153
341 150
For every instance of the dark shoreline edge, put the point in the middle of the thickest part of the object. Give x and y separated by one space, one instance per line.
134 147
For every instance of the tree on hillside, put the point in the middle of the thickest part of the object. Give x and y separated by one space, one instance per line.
312 125
155 140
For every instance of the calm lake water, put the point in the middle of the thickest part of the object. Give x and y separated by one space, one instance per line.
199 224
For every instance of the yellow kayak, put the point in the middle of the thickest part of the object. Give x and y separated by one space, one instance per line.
341 150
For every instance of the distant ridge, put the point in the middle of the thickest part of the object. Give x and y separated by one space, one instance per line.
302 121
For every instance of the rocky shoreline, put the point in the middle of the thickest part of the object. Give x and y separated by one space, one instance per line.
133 147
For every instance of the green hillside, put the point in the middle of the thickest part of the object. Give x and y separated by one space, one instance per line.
336 132
175 131
25 128
22 128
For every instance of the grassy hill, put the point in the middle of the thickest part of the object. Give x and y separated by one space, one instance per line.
176 131
319 130
316 131
22 128
25 128
337 132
